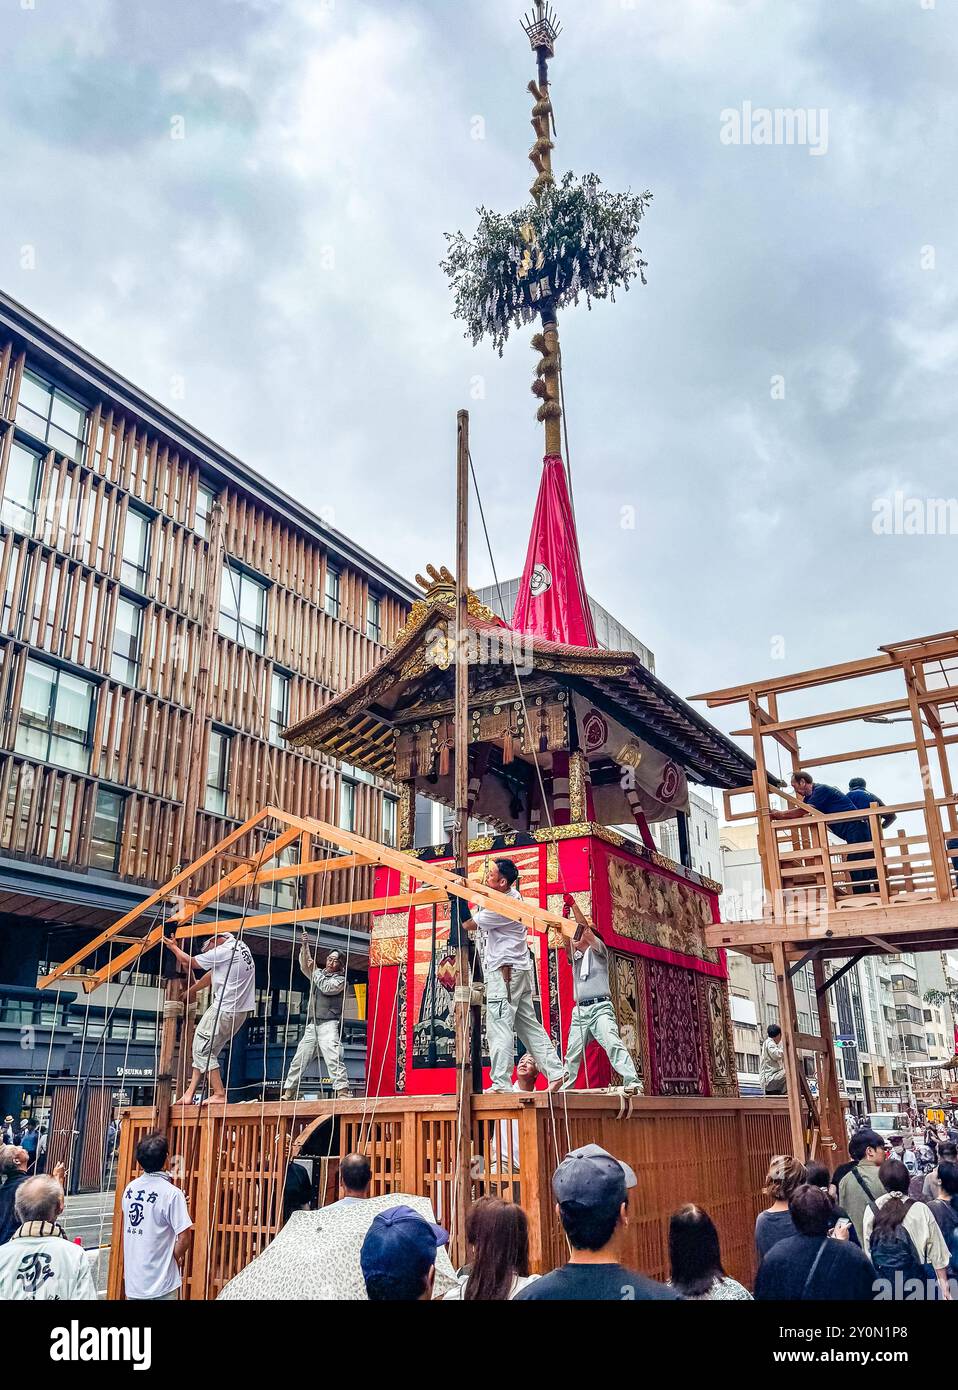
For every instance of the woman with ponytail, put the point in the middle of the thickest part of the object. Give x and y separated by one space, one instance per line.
903 1239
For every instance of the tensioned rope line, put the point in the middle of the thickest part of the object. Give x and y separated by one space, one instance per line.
580 578
535 758
212 1213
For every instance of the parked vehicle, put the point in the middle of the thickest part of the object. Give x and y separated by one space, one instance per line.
888 1122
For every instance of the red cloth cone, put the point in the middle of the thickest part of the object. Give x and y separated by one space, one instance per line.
552 601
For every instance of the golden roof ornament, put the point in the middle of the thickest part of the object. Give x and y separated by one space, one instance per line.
439 591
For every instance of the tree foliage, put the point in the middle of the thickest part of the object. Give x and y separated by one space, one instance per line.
579 239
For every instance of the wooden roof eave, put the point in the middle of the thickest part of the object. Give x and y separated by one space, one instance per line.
618 681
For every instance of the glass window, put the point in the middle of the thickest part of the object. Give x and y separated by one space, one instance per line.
51 415
347 804
278 707
390 817
205 497
332 591
125 662
217 772
55 717
374 618
136 550
19 508
107 831
281 895
243 608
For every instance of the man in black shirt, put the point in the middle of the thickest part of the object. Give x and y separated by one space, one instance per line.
14 1169
592 1200
811 1265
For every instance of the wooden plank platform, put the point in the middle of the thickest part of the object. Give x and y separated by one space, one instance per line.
865 925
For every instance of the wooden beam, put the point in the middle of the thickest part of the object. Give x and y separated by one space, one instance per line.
833 979
946 646
310 867
516 909
837 716
294 915
786 1008
239 877
432 875
154 898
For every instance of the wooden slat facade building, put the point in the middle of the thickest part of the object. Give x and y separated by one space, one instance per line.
164 613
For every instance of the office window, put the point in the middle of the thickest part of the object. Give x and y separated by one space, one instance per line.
374 626
278 707
282 895
125 662
107 831
243 608
136 550
48 413
217 772
347 804
19 509
390 820
332 603
205 497
55 717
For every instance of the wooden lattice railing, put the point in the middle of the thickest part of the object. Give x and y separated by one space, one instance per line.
231 1166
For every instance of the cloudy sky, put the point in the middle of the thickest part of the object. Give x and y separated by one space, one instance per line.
791 362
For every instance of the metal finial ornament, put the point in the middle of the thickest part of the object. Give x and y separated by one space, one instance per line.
543 28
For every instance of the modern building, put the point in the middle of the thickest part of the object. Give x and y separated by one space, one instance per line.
609 632
166 613
703 830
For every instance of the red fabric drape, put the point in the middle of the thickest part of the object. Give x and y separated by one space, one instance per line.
552 601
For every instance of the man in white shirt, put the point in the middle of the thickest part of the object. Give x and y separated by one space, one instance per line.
157 1229
593 1016
39 1262
323 1034
229 965
510 988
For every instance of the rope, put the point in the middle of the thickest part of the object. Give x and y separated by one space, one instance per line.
535 758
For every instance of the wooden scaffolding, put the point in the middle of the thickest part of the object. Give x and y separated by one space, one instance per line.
813 910
231 1159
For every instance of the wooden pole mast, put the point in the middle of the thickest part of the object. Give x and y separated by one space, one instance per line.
543 31
460 843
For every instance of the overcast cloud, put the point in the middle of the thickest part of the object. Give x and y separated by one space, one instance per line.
282 259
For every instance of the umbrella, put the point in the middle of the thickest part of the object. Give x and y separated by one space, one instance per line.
316 1254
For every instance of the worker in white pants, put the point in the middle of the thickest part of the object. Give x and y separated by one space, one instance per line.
510 980
324 1029
593 1017
229 966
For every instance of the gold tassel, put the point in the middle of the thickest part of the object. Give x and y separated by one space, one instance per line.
508 748
444 759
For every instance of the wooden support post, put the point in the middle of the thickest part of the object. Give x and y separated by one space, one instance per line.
831 1111
173 1010
936 841
786 1012
767 842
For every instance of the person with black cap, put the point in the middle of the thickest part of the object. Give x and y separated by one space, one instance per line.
398 1256
591 1189
859 795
